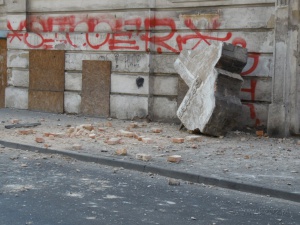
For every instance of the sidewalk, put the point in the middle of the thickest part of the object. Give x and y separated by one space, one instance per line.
240 161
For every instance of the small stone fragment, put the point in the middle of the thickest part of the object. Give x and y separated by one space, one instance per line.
260 133
113 141
143 157
133 125
156 130
88 127
178 140
140 138
39 139
26 132
246 157
193 138
77 147
147 140
108 124
101 129
92 136
15 121
71 130
121 152
47 145
173 182
174 158
126 133
51 137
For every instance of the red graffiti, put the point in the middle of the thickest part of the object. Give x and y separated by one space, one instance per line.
241 42
106 32
251 90
16 33
159 40
253 114
255 57
115 44
198 35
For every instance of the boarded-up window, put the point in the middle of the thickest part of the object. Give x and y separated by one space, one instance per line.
46 80
96 78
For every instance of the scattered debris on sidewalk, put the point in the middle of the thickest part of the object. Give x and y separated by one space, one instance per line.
212 103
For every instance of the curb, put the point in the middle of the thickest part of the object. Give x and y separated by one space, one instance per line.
141 167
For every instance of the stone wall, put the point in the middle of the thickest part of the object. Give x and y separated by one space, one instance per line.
142 39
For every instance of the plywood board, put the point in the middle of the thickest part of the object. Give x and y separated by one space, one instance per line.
3 72
47 70
46 81
96 79
46 101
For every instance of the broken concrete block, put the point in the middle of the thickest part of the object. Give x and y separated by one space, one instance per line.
231 58
174 158
212 103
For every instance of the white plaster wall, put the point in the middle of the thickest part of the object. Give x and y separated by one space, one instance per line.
16 98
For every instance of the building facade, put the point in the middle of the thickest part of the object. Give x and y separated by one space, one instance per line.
53 49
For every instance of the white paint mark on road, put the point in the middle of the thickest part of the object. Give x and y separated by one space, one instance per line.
112 197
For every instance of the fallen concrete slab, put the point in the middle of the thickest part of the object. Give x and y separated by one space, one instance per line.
212 103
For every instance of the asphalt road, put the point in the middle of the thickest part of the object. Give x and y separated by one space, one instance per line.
49 189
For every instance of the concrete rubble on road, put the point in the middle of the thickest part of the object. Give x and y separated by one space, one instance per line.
212 103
